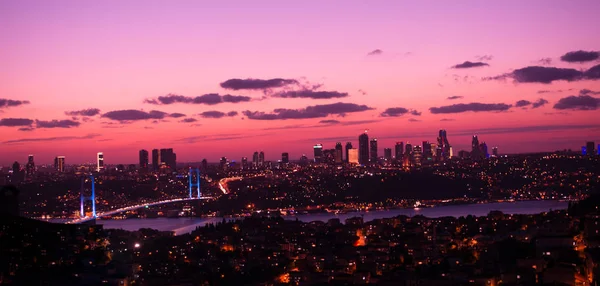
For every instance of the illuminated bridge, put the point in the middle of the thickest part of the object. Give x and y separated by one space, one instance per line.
193 184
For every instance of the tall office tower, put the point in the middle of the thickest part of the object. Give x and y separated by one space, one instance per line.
245 163
451 153
168 158
328 156
475 151
338 153
363 148
155 159
387 154
427 152
443 144
495 151
255 159
348 147
318 153
303 160
353 156
144 159
223 163
598 150
583 150
408 150
261 158
417 156
16 167
204 165
285 158
483 150
590 146
59 164
374 156
30 167
399 148
99 162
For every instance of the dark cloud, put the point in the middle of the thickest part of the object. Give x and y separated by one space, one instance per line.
586 91
539 103
580 56
474 106
522 103
323 123
26 129
540 74
307 93
315 111
4 103
134 115
593 72
56 123
469 64
446 119
362 92
60 138
176 115
581 102
232 113
375 52
414 120
398 111
188 120
215 137
84 112
208 99
251 83
484 58
454 97
329 121
217 114
544 61
13 122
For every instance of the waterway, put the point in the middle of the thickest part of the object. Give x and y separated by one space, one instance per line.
187 225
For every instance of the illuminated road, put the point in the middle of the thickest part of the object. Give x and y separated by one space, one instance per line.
223 184
113 212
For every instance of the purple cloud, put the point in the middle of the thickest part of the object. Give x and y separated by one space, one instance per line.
13 122
544 61
522 103
538 74
469 64
580 56
60 138
5 103
56 124
375 52
251 83
208 99
315 111
188 120
581 102
217 114
484 58
474 107
84 112
134 115
454 97
593 72
539 103
307 93
398 111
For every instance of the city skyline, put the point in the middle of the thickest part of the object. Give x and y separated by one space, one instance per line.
523 87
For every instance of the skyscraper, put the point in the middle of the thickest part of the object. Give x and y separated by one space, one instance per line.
373 147
348 147
59 164
495 151
443 149
261 158
143 159
204 165
29 167
223 163
168 158
155 159
99 162
318 153
590 147
245 163
353 156
285 158
387 154
483 151
427 152
16 167
417 156
399 150
338 156
363 148
408 150
475 151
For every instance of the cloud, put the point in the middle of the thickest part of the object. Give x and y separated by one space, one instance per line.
454 97
13 122
484 58
538 74
544 61
217 114
469 64
580 56
315 111
474 106
581 102
522 103
134 115
84 112
539 103
188 120
208 99
323 123
215 137
60 138
329 121
56 123
26 129
586 91
362 92
375 52
398 111
5 103
593 72
446 119
307 93
414 120
176 115
251 83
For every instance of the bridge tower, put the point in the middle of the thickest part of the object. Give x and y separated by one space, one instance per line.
83 198
191 173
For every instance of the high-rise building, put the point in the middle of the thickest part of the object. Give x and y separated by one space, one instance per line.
143 159
483 151
348 147
155 159
417 156
30 167
584 150
427 152
399 150
303 160
255 159
168 158
285 158
261 158
590 146
387 154
245 163
16 167
99 162
495 151
204 165
475 151
408 149
353 156
373 148
598 150
318 153
443 148
338 156
363 148
223 163
59 164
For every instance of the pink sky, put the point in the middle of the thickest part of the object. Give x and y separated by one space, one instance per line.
112 55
